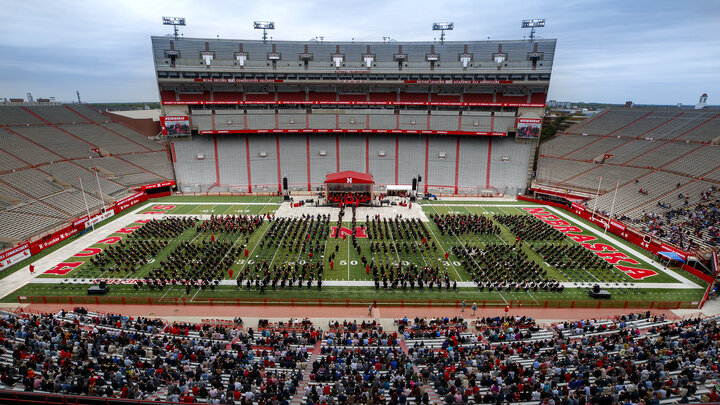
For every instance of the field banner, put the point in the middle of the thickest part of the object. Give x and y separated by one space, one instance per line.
175 125
14 255
158 185
528 128
100 217
52 239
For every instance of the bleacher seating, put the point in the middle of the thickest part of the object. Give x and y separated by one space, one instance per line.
57 141
55 115
103 139
677 145
579 360
25 150
88 112
37 180
31 182
10 115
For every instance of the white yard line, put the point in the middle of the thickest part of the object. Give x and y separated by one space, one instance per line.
443 249
503 298
269 223
533 298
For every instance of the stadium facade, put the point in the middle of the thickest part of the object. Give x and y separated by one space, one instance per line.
464 116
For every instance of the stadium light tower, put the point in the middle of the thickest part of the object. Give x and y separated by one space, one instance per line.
174 21
532 24
442 27
264 25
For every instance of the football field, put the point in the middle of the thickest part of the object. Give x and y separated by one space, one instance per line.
261 248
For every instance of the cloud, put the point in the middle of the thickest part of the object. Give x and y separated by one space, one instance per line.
659 52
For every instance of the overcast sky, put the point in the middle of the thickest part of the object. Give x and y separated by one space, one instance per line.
647 51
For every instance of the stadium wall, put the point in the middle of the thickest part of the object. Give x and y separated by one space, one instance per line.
145 126
449 164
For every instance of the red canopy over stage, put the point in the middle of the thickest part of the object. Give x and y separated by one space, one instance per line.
349 177
349 187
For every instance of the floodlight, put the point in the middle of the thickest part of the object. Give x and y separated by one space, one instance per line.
536 23
264 25
443 26
532 24
174 21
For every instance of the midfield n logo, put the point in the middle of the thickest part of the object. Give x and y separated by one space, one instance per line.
359 232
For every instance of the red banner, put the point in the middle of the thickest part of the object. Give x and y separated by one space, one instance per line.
84 224
619 225
14 255
424 103
158 185
80 221
357 72
128 202
667 248
457 81
53 239
362 131
239 80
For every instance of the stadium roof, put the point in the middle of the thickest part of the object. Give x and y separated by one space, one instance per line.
349 176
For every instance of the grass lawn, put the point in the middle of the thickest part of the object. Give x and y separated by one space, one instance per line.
348 265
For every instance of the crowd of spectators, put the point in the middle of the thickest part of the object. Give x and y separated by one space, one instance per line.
668 360
578 362
687 225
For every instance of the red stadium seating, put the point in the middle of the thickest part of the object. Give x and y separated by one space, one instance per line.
445 98
478 98
321 96
521 99
266 97
291 96
383 97
413 98
353 97
167 95
538 98
227 96
194 97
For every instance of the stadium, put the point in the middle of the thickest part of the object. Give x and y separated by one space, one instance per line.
339 222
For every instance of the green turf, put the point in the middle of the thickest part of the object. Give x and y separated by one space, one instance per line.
348 265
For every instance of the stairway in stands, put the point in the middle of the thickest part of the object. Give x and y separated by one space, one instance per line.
300 393
432 395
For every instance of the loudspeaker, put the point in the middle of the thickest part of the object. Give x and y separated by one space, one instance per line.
414 184
103 284
419 178
285 187
596 288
